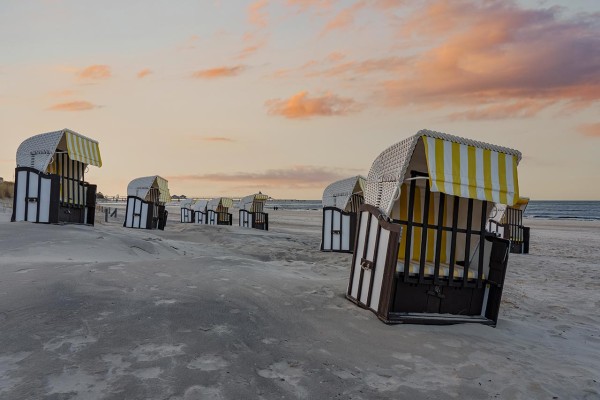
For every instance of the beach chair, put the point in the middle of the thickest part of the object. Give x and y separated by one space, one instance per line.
507 222
341 201
146 199
200 215
50 185
187 212
252 213
422 253
217 211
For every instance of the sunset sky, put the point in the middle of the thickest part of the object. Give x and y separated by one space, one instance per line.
285 96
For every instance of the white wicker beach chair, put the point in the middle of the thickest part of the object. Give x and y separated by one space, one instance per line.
423 254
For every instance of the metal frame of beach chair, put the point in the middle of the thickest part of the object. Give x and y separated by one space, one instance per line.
341 202
50 184
146 199
187 214
422 252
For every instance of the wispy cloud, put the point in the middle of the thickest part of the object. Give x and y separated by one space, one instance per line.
301 176
515 109
94 72
144 73
590 130
301 105
80 105
221 139
495 56
257 14
218 72
344 18
305 5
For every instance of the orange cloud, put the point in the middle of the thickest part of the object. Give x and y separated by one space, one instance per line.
94 72
344 18
256 13
302 176
301 105
590 130
496 56
73 106
336 56
217 139
219 72
143 73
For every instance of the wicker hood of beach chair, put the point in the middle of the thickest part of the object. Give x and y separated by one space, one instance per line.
146 199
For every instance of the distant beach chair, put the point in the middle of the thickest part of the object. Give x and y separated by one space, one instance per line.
423 254
146 199
217 211
507 222
200 215
341 201
186 211
50 184
252 213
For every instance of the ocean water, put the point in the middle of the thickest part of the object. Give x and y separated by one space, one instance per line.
581 210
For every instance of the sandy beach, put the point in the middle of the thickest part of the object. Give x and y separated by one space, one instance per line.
205 312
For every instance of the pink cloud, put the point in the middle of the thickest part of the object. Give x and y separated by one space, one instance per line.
301 105
73 106
494 56
590 130
301 176
218 72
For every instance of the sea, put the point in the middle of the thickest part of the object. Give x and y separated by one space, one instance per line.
546 209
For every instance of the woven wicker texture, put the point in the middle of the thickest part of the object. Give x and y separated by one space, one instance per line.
338 193
141 186
219 201
247 203
37 151
389 168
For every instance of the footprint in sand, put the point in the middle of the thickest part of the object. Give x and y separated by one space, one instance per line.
151 351
286 371
202 392
147 373
165 301
208 363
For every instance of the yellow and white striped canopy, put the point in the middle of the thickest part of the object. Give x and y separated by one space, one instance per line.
455 165
38 151
471 172
83 149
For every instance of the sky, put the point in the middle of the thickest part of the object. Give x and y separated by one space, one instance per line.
226 98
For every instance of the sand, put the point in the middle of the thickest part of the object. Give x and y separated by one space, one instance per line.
204 312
